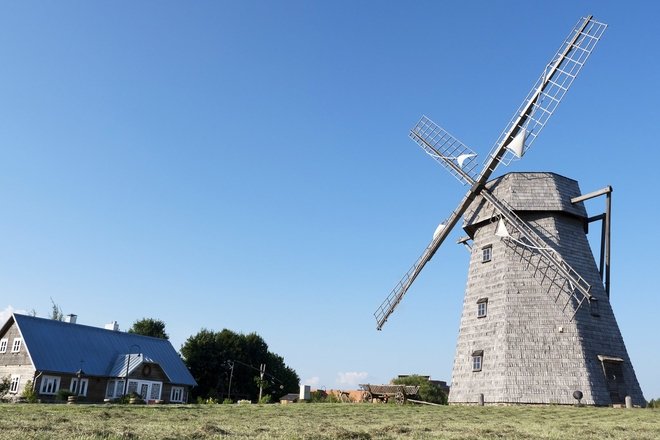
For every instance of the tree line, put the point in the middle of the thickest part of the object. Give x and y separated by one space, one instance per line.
229 365
226 365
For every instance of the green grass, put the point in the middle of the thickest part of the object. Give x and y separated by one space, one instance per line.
323 421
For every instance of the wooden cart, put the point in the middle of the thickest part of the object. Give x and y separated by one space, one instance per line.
383 393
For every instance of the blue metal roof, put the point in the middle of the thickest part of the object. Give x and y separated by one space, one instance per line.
57 346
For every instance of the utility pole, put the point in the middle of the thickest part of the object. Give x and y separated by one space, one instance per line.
262 371
231 376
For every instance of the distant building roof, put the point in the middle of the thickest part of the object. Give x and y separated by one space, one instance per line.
57 346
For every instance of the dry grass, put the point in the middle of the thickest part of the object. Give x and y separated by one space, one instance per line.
323 421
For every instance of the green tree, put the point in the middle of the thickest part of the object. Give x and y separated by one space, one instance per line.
29 393
149 327
216 358
5 383
428 391
56 311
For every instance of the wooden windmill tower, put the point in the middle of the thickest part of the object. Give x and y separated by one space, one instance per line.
537 325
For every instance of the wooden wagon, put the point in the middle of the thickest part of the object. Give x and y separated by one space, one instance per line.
383 393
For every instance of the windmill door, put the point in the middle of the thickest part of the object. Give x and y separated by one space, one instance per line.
616 384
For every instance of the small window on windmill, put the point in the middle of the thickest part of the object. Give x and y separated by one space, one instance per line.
593 307
482 308
486 254
477 360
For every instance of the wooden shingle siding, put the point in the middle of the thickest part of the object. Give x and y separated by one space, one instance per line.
532 351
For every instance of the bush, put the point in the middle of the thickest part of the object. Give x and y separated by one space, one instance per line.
428 392
5 383
653 404
64 394
265 399
29 394
320 396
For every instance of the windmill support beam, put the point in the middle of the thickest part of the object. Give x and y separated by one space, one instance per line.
605 239
607 190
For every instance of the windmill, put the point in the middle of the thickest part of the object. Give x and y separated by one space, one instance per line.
526 335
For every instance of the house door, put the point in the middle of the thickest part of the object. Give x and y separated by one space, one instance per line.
144 391
616 384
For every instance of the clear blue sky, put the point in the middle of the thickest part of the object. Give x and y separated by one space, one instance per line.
246 165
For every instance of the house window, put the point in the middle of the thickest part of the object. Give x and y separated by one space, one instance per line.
477 360
49 385
177 394
486 254
115 389
83 386
482 308
110 389
16 346
119 391
132 386
155 392
13 385
3 345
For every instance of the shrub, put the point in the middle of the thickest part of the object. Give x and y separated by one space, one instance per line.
265 399
5 383
29 394
320 396
428 392
64 394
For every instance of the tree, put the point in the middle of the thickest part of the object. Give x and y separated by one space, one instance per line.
217 358
149 327
56 311
5 383
428 391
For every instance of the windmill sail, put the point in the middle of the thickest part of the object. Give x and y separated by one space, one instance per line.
446 149
515 140
549 267
550 264
396 295
546 94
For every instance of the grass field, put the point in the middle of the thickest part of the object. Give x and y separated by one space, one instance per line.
323 421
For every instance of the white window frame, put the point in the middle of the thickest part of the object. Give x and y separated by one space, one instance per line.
477 360
176 395
486 253
3 345
119 388
115 388
15 382
49 385
110 389
16 345
482 308
84 383
138 386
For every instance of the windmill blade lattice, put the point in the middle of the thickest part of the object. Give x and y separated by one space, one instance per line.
545 261
548 91
446 149
549 267
396 295
527 123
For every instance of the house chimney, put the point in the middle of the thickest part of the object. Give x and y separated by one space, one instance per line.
70 318
112 326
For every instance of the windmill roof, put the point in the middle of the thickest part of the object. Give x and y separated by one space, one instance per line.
57 346
529 191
